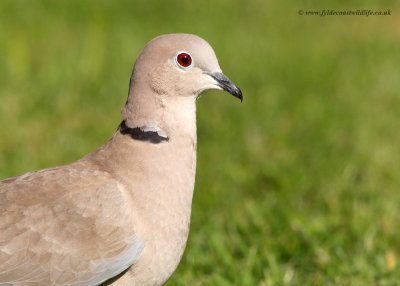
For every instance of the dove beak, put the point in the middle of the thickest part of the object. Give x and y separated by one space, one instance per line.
226 84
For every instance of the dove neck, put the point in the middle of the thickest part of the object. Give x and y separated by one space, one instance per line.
169 116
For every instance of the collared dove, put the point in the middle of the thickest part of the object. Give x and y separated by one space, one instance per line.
120 215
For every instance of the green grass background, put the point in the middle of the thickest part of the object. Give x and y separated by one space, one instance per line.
299 185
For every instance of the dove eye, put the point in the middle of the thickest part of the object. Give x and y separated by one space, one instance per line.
184 59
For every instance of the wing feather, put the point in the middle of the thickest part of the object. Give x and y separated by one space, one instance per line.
70 225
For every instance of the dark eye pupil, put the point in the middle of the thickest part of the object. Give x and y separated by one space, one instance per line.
184 59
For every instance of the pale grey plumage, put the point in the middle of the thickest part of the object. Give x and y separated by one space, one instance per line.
58 226
125 206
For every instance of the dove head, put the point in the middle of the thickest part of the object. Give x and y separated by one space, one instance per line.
170 72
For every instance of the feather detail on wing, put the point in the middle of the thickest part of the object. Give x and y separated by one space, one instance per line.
70 225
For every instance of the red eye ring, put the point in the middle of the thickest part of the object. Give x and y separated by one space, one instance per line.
184 59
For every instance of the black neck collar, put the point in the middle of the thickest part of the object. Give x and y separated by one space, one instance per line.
137 133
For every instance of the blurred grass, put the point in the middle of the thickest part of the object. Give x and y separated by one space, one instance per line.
299 185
